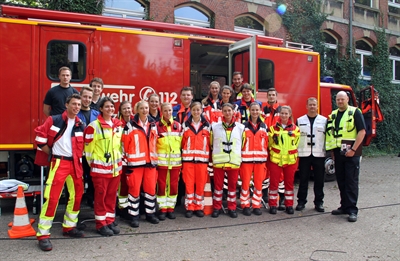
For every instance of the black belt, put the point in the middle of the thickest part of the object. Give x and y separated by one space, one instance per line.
63 157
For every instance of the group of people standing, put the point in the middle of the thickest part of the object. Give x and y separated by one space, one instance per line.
150 148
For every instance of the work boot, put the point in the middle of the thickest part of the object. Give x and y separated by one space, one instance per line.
162 216
114 228
152 219
73 233
281 202
45 244
199 213
232 213
189 214
134 222
216 213
272 210
247 211
257 211
105 231
290 210
338 211
171 215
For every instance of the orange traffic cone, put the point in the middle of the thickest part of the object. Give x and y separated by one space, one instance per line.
208 204
21 225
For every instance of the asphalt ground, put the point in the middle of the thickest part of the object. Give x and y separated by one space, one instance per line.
306 235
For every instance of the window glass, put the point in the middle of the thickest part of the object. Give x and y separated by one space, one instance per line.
363 50
124 4
395 61
364 2
265 74
249 25
206 79
191 16
66 53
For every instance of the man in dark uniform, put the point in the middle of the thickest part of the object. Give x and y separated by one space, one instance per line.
346 124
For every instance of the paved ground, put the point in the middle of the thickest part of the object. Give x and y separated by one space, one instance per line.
306 235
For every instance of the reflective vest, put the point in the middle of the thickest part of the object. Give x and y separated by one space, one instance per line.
255 148
51 131
312 144
196 144
346 130
271 114
283 143
103 148
140 148
227 145
169 143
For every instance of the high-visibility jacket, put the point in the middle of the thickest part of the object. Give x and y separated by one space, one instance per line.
140 147
52 130
103 148
346 130
255 148
283 143
243 108
227 144
209 106
169 143
196 144
93 116
312 144
271 114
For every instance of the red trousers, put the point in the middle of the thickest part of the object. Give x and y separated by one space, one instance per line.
123 190
195 177
288 176
167 191
104 200
258 171
60 172
218 187
145 177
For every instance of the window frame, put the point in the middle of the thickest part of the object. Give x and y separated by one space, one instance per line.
192 22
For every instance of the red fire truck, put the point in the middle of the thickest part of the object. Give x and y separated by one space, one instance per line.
136 58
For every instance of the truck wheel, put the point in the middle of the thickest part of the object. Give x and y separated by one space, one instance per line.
330 174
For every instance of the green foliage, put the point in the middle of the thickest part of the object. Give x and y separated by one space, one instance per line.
389 94
79 6
346 70
31 3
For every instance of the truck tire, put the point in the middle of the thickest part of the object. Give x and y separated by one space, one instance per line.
330 174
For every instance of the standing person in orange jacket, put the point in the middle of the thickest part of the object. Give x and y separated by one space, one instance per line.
139 143
254 158
283 142
195 157
169 161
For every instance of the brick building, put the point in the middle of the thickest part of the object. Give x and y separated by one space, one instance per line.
260 17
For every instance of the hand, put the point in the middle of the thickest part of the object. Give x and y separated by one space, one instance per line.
350 153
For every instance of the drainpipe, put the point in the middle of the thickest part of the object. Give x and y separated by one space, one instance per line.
351 28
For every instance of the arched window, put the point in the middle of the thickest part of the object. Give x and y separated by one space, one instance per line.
395 60
124 8
249 25
363 50
191 16
331 44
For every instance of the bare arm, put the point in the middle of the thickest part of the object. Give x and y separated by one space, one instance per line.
357 143
46 109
